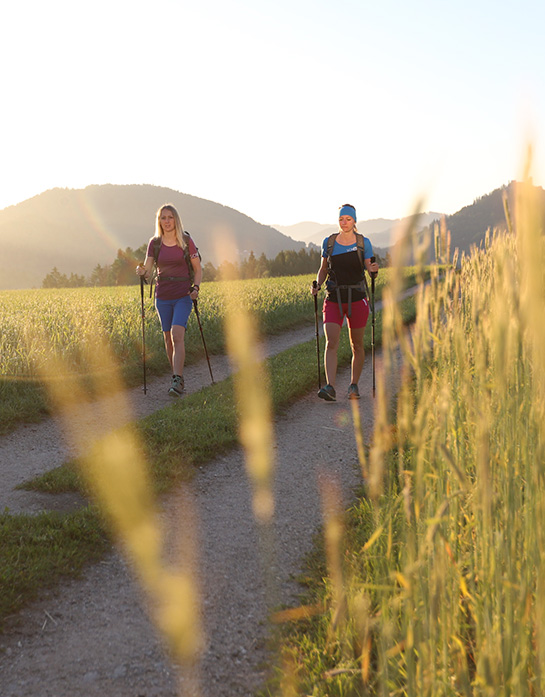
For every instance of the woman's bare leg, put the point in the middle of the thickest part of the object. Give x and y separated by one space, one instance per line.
332 333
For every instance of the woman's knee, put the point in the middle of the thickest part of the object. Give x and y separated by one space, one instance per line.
357 347
332 344
356 337
332 336
177 334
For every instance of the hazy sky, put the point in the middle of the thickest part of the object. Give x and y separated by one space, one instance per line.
283 110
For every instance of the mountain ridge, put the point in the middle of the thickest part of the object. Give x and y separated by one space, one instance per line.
381 231
74 230
469 225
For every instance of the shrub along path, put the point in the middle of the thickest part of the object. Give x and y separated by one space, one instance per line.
93 636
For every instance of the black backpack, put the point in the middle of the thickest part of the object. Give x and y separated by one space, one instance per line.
360 242
331 279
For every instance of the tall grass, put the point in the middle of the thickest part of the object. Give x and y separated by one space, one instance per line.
115 470
38 324
445 569
85 350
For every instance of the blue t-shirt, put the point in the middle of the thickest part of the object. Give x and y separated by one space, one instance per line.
346 269
342 249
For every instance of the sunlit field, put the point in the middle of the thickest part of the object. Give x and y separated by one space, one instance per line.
40 324
36 323
441 586
119 478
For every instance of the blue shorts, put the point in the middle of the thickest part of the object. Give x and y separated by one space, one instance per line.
173 312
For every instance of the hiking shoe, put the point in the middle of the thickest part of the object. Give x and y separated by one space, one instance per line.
328 393
353 392
177 386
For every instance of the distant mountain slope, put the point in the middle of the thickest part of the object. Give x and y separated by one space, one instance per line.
76 229
469 225
306 232
381 231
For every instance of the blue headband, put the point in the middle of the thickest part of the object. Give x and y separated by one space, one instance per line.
348 210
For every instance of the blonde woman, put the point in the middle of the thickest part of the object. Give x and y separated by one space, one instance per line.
345 257
179 275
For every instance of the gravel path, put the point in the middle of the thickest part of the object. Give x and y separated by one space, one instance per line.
33 449
93 637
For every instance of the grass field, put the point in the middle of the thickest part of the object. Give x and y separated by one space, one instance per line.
41 325
170 443
167 442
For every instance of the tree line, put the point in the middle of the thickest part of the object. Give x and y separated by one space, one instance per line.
121 271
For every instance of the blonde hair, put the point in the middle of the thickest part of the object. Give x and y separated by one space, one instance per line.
180 238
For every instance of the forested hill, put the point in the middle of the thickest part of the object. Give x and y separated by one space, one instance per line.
73 230
469 225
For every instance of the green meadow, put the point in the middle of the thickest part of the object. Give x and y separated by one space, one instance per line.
37 551
45 324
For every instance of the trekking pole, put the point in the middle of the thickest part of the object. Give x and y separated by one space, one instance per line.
202 336
143 331
314 285
373 276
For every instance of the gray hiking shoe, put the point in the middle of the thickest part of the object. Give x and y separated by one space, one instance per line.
328 393
353 392
177 386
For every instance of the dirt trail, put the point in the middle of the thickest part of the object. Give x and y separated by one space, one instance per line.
93 637
33 449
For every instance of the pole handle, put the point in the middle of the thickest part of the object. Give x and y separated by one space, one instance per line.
373 274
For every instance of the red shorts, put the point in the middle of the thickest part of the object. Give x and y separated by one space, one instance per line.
358 318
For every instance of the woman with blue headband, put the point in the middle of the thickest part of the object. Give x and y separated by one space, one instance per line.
345 256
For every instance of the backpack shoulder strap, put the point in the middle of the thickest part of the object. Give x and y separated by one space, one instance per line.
360 242
187 256
156 248
330 244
